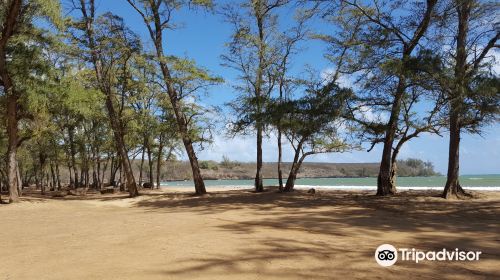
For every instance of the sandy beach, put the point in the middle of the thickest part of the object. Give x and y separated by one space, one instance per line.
238 234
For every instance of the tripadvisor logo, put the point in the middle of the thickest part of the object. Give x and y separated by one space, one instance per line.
387 255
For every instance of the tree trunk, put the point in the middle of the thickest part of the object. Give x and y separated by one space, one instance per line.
12 134
120 147
452 188
394 171
42 157
394 158
58 174
158 163
259 187
141 166
104 168
19 180
70 170
258 6
292 177
11 97
115 166
71 134
297 162
280 157
199 185
150 164
385 185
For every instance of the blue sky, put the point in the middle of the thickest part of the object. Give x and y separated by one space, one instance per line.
202 36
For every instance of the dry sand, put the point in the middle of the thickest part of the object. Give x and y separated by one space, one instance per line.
242 235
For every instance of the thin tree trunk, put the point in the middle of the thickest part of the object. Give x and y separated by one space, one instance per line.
19 180
158 163
292 177
258 6
104 168
53 177
280 158
70 170
150 164
120 146
297 161
259 186
141 166
71 134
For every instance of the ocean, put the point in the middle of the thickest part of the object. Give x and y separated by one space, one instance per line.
473 182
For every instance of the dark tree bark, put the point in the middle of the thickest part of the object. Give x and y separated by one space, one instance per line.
42 159
280 159
158 162
452 187
13 13
384 184
53 177
72 148
150 164
141 166
259 186
259 16
58 175
297 163
115 166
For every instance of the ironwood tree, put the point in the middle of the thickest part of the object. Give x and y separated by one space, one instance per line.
109 45
254 52
383 37
157 17
472 88
20 40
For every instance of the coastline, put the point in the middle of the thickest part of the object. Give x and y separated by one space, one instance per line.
330 188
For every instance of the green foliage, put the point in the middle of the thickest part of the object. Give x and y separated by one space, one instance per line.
314 119
209 164
228 163
416 167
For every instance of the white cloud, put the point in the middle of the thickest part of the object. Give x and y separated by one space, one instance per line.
327 74
496 62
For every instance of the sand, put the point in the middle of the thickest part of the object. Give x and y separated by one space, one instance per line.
238 234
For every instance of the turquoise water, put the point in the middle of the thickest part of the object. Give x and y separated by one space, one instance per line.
468 181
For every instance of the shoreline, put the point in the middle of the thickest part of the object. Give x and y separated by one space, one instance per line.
332 188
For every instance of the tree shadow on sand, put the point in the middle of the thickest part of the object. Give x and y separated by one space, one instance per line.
425 222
